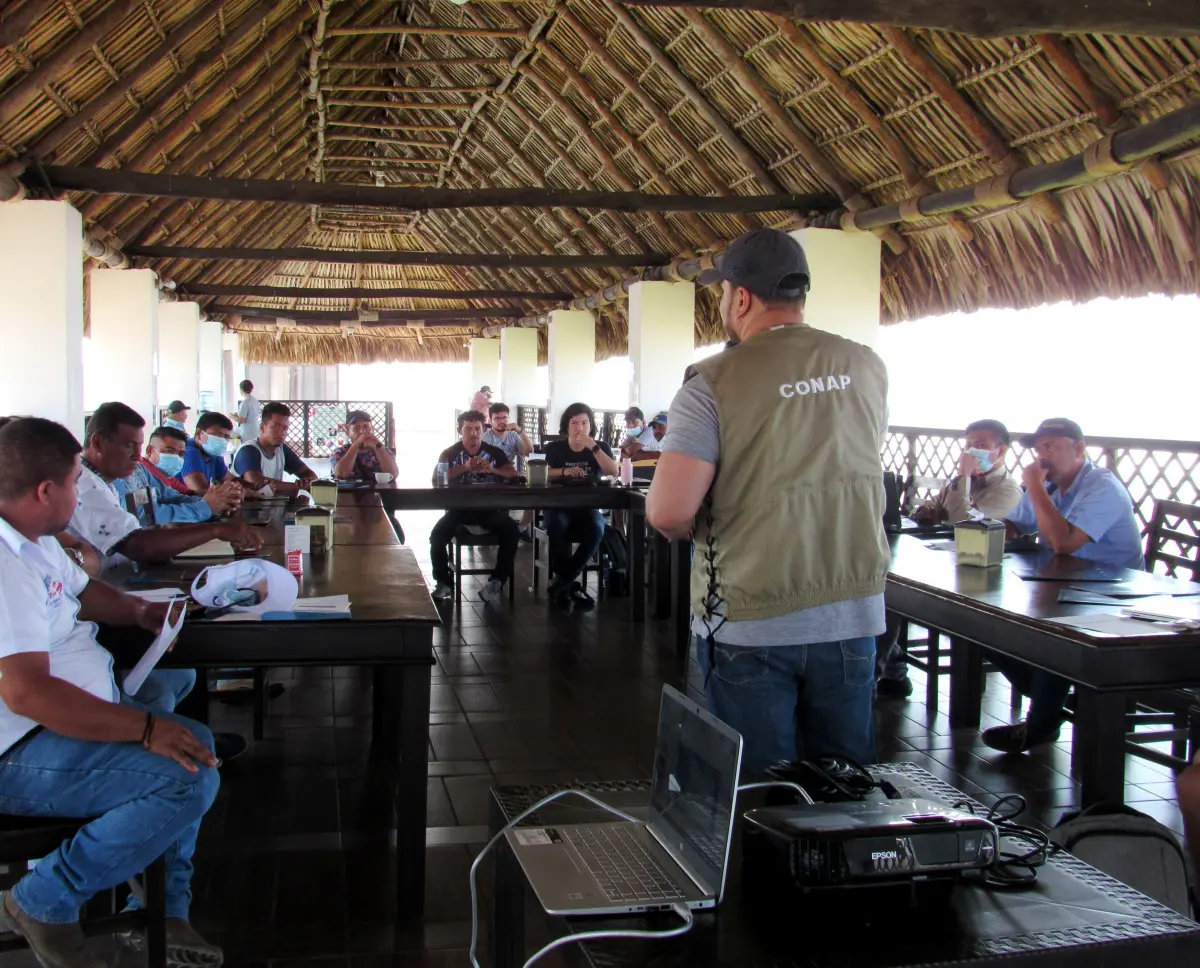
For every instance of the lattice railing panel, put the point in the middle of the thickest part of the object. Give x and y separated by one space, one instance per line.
1151 470
316 426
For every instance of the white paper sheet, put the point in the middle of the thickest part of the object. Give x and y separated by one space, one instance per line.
210 549
158 648
1111 624
157 594
330 603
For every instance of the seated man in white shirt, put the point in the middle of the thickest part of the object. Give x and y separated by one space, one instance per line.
71 745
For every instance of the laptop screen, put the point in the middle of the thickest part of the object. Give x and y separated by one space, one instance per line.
696 764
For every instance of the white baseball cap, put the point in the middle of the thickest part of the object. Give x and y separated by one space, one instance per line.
277 587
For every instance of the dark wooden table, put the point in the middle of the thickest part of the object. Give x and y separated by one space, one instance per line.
520 497
997 609
391 631
1075 916
359 519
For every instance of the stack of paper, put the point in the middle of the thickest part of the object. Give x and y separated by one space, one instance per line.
210 549
158 594
330 603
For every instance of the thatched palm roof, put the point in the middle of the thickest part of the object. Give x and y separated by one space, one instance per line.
586 94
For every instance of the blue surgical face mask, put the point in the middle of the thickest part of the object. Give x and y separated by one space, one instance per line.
214 446
984 457
173 423
170 464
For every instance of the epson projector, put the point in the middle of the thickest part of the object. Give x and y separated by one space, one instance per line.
861 843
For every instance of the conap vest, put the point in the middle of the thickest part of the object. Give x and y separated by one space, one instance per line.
794 516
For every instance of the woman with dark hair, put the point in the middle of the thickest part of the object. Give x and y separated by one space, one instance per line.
577 456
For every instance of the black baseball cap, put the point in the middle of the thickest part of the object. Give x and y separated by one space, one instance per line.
634 413
176 405
1053 427
355 415
770 263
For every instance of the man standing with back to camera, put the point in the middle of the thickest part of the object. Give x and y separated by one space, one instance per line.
773 463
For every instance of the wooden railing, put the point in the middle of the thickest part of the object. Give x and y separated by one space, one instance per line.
317 425
1150 469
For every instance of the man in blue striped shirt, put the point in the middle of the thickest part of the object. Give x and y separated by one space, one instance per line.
162 461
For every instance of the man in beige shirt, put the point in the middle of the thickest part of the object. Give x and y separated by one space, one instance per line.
983 485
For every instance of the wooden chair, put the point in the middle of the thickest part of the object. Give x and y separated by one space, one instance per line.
466 538
542 537
1172 542
28 838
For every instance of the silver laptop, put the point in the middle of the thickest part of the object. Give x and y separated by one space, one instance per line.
678 855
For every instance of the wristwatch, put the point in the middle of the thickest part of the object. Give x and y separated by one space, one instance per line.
75 555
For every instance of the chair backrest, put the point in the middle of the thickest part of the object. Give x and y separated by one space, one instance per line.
138 500
1173 540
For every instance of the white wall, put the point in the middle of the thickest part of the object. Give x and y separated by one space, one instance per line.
178 356
845 272
120 355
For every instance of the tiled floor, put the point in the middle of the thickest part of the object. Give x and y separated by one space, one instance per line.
293 865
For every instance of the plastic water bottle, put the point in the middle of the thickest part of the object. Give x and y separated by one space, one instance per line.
626 471
442 475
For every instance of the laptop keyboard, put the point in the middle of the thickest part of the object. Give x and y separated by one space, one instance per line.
625 869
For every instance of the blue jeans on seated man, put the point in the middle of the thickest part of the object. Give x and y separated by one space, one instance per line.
565 528
164 689
146 806
1047 692
818 694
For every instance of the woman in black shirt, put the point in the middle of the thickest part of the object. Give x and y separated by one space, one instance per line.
578 455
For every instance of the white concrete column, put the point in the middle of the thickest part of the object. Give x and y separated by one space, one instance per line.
179 356
485 365
571 350
41 312
233 371
518 368
120 355
845 272
209 343
662 341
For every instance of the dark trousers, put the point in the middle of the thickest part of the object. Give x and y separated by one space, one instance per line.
1047 692
566 528
497 522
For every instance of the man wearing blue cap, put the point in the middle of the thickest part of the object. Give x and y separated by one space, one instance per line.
773 463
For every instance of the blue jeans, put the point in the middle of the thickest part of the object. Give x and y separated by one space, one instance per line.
1047 692
146 806
566 527
819 693
164 689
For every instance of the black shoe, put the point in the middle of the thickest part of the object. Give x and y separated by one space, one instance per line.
583 601
54 945
229 746
559 593
1016 738
893 688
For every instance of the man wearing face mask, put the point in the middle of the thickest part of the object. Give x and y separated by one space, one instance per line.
204 460
1077 509
791 558
982 484
173 503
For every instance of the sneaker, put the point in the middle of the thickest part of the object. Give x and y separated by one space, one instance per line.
228 746
559 593
443 592
491 593
893 688
54 945
1017 738
185 947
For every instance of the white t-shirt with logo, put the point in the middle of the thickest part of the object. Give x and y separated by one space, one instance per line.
100 517
39 604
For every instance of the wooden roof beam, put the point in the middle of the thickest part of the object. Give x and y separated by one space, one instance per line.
389 89
425 29
428 315
983 18
389 126
364 292
115 182
750 161
497 260
413 63
392 142
783 122
346 102
385 161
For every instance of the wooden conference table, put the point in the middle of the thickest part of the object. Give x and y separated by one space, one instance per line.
391 631
997 609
